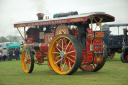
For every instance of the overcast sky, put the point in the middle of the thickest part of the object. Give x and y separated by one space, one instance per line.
13 11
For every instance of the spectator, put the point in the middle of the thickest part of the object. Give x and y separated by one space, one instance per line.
5 54
17 52
10 54
0 56
0 48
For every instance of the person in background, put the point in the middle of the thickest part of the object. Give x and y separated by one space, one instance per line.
17 52
0 56
4 54
0 53
0 48
10 54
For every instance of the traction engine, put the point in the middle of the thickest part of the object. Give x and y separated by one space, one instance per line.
66 42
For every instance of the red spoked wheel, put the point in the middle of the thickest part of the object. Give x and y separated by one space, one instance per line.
95 67
111 55
65 54
27 61
124 57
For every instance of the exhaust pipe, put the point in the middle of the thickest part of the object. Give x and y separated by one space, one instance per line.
40 16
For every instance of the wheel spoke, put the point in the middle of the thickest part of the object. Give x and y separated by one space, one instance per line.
62 44
63 67
70 59
58 44
56 52
56 57
58 49
83 66
60 63
70 52
94 65
70 47
29 62
65 40
72 56
67 45
28 67
69 64
57 61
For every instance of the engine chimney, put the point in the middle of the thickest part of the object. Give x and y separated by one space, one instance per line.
40 16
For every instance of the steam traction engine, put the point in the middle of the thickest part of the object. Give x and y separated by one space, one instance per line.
61 43
124 54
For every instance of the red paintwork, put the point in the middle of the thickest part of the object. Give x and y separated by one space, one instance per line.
43 47
127 57
39 56
75 32
90 31
50 22
98 59
29 40
88 55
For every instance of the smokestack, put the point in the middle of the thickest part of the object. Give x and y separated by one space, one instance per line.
40 16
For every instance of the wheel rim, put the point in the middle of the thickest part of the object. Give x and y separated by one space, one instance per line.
125 58
26 61
49 64
111 56
62 54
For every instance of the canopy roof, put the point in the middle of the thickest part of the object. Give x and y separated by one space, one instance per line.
117 25
69 19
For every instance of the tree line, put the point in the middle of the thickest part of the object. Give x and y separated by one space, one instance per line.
10 38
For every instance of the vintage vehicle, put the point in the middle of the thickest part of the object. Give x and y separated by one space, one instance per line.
124 54
61 43
113 42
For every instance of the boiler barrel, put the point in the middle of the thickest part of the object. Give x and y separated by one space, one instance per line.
41 46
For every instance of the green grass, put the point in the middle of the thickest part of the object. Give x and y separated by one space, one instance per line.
114 72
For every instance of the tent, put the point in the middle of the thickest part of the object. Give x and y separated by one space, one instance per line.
13 45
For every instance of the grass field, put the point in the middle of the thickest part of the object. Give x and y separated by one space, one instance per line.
114 72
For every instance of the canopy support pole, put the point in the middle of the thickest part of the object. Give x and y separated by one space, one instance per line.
20 34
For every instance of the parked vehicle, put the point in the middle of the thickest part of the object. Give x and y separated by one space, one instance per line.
65 49
124 54
113 41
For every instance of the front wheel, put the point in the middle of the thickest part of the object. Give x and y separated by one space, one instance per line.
65 54
124 57
27 61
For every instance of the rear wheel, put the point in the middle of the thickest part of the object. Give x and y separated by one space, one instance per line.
27 61
111 55
65 54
